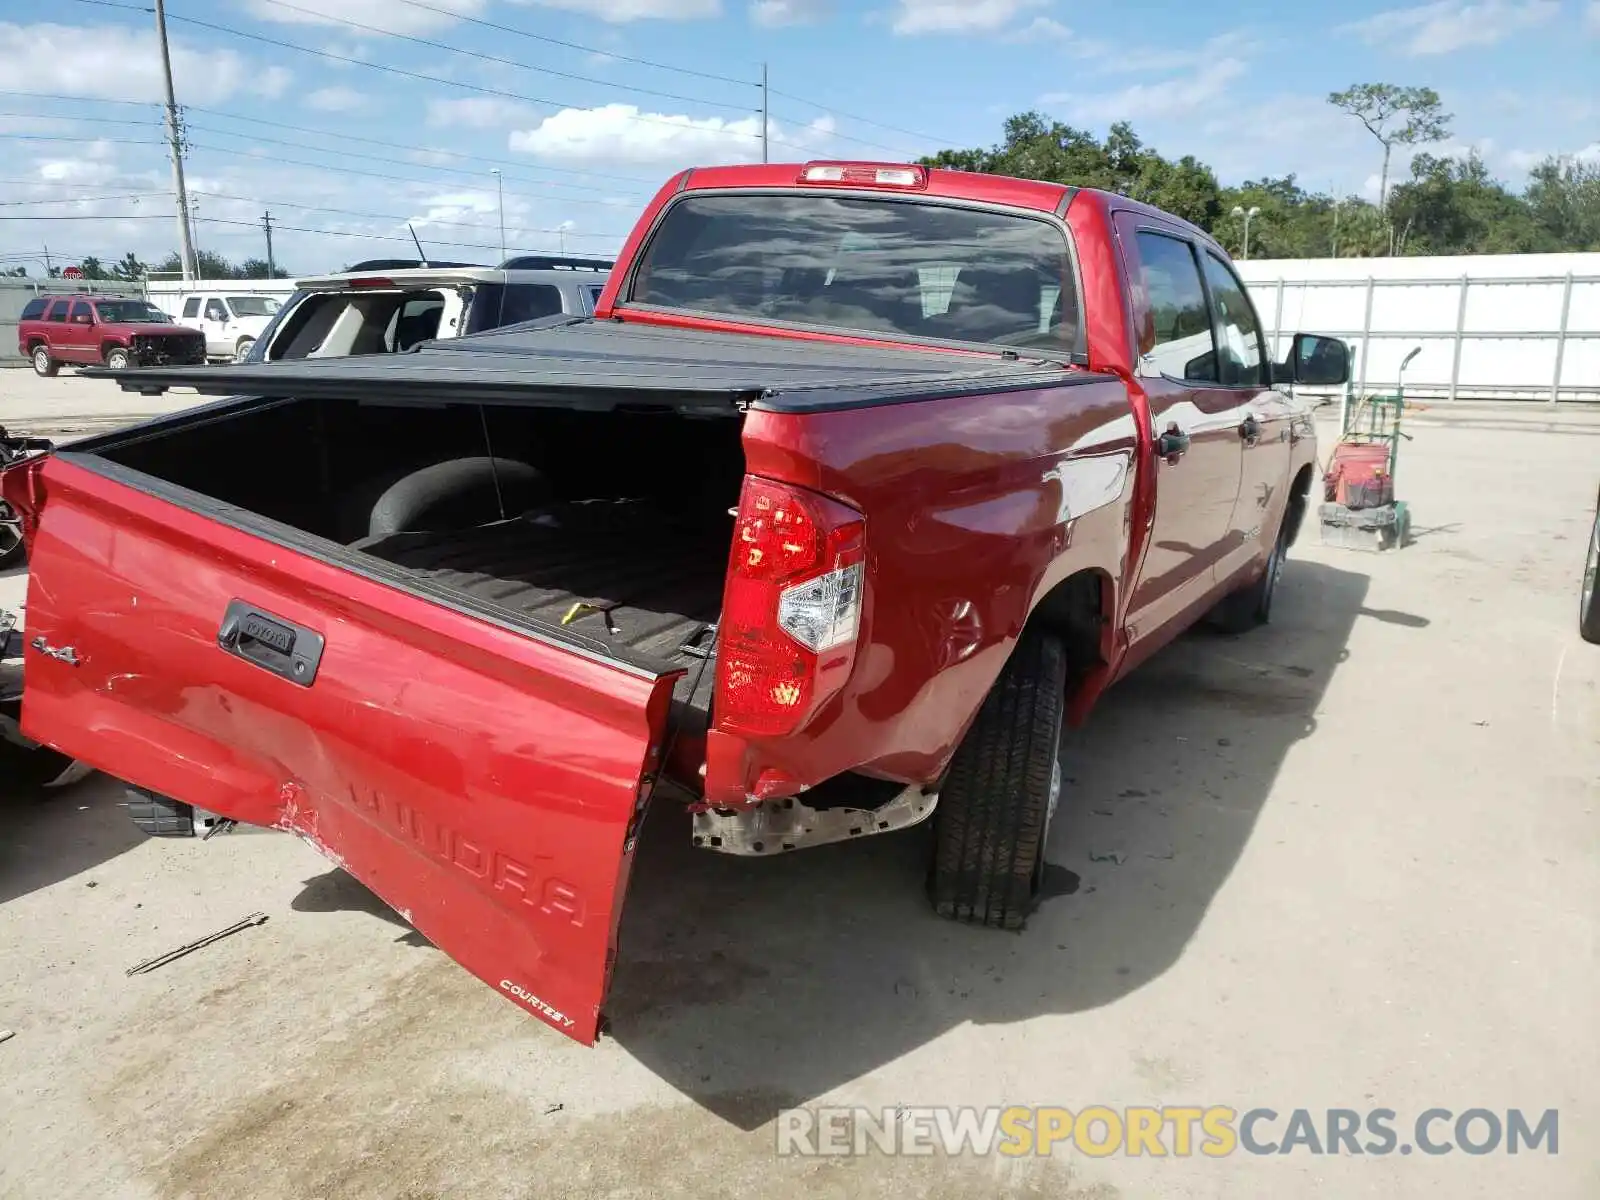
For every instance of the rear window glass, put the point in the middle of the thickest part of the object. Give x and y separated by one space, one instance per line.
876 265
33 310
335 324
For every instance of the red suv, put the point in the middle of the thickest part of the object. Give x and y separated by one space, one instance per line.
119 331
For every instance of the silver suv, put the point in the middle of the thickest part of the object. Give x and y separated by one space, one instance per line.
389 306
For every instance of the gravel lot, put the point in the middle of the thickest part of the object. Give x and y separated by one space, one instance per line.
1360 868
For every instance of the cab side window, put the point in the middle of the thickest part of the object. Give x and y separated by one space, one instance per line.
1175 302
191 306
215 311
81 311
1239 341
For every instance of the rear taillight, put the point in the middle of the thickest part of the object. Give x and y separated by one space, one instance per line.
792 609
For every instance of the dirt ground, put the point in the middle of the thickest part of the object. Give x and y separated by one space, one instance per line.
1359 867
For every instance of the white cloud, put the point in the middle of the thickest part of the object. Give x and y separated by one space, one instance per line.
380 14
1168 97
93 168
1527 160
621 133
619 12
116 63
959 16
1450 25
1041 29
336 99
775 13
476 112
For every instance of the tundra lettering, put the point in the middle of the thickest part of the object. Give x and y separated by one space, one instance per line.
861 483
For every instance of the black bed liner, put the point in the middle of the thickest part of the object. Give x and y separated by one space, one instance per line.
583 362
652 587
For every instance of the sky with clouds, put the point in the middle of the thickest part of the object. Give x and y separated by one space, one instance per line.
348 118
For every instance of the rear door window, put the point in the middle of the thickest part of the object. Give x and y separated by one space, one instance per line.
1175 304
58 312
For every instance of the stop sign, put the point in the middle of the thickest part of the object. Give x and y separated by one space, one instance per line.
72 273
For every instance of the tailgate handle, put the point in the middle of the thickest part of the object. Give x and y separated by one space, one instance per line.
271 642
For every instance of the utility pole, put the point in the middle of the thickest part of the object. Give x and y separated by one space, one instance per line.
500 195
186 239
266 223
47 262
764 106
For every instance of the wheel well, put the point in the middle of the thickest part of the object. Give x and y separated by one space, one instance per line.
1078 610
108 346
1299 493
35 342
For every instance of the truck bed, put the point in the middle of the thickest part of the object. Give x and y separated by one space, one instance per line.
652 587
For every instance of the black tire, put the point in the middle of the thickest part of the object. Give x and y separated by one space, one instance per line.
43 364
12 551
118 359
1251 605
455 494
1589 591
242 350
160 816
1001 792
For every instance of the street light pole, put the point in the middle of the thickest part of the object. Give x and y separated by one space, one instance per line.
1253 211
500 194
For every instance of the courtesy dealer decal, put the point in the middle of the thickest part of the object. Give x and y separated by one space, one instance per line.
538 1005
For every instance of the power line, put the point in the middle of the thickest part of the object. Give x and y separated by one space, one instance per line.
828 108
351 137
399 162
507 62
347 212
81 199
539 37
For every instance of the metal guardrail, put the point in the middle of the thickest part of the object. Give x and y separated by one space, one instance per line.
1454 388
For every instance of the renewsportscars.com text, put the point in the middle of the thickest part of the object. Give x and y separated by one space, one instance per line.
1216 1131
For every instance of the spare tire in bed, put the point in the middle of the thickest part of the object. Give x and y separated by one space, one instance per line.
458 493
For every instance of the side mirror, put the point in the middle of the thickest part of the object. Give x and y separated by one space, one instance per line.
1316 361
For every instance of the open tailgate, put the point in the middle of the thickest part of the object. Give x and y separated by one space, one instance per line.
485 782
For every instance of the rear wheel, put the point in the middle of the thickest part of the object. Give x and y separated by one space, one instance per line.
1003 789
43 364
118 358
242 350
1589 593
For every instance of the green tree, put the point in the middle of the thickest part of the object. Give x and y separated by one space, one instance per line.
1403 116
129 268
1564 198
1455 206
93 268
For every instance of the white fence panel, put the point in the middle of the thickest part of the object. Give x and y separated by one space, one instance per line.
1488 327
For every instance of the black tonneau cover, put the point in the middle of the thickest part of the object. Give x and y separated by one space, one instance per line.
583 362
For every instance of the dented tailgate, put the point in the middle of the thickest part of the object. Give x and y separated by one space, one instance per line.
484 782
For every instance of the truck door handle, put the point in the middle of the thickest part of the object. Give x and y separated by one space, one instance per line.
1250 431
1173 444
271 642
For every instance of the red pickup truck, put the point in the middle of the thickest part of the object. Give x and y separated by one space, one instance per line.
862 480
114 330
